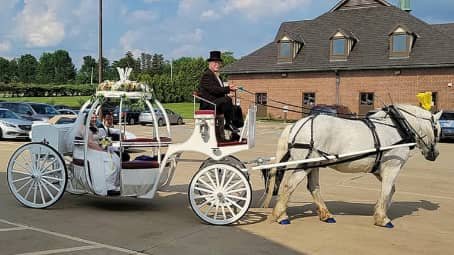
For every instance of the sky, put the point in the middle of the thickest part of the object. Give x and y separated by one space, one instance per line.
174 28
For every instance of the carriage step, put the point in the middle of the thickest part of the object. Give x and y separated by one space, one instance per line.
232 143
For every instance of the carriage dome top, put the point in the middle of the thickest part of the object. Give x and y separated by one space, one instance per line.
124 87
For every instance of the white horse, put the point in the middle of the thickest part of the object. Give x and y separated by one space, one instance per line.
335 136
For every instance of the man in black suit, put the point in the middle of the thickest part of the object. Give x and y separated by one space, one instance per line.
212 89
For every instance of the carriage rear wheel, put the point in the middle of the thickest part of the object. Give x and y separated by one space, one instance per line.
37 175
220 194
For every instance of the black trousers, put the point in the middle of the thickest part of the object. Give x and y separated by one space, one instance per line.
224 106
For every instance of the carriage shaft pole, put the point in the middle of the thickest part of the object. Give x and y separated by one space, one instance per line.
331 157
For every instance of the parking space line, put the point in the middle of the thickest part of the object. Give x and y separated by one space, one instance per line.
73 238
12 229
56 251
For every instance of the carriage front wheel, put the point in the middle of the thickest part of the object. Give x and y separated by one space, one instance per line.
220 194
37 175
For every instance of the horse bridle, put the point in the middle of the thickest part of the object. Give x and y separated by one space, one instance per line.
415 134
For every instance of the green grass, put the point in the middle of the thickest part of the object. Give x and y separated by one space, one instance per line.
73 102
186 110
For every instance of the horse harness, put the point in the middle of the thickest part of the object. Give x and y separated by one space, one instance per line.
407 133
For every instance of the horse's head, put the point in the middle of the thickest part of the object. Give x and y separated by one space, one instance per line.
425 128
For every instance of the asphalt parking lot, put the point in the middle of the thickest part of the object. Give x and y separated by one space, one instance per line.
423 213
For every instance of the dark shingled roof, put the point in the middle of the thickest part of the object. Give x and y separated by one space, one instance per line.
371 27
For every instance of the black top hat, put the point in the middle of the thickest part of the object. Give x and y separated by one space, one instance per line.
215 56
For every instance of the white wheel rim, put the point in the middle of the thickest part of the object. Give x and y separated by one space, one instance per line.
36 175
220 194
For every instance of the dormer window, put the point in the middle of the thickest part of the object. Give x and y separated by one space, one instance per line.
341 44
401 42
287 49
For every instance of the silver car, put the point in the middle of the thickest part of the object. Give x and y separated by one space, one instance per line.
12 126
174 118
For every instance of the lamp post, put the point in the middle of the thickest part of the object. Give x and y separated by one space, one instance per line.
100 43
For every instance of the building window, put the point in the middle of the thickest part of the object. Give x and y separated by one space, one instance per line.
308 98
401 42
339 47
366 99
285 51
261 98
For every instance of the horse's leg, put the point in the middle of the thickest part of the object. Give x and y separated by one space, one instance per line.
313 185
388 178
393 190
279 212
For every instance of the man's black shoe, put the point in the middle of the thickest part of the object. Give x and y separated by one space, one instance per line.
231 128
113 192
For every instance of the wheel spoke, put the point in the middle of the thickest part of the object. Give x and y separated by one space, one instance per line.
237 190
231 211
50 184
234 185
223 178
19 189
211 179
52 178
234 203
43 200
206 202
216 211
216 174
47 167
207 185
20 172
53 171
230 179
203 196
209 210
47 190
23 167
237 197
223 212
204 190
22 179
34 193
29 190
43 161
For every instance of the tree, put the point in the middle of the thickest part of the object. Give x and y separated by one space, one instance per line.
46 71
87 71
128 61
4 70
157 64
227 59
27 68
64 67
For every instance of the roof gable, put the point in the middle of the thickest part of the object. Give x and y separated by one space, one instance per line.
355 4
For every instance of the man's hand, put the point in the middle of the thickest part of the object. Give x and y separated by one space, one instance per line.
232 87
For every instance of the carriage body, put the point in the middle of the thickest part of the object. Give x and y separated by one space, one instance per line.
60 159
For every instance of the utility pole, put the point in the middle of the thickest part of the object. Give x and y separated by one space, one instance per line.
100 43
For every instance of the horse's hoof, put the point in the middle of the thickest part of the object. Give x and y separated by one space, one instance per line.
389 225
330 220
284 222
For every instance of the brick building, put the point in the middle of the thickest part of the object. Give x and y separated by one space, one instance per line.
359 54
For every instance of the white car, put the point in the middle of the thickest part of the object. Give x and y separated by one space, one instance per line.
12 126
174 118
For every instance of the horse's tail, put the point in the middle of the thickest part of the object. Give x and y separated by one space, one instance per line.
281 151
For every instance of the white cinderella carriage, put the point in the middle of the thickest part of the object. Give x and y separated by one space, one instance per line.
59 159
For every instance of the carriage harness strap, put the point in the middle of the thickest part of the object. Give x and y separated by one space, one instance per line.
402 126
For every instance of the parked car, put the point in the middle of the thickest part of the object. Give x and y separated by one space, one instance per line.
333 110
31 111
447 125
67 111
13 126
61 106
63 119
132 116
174 118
